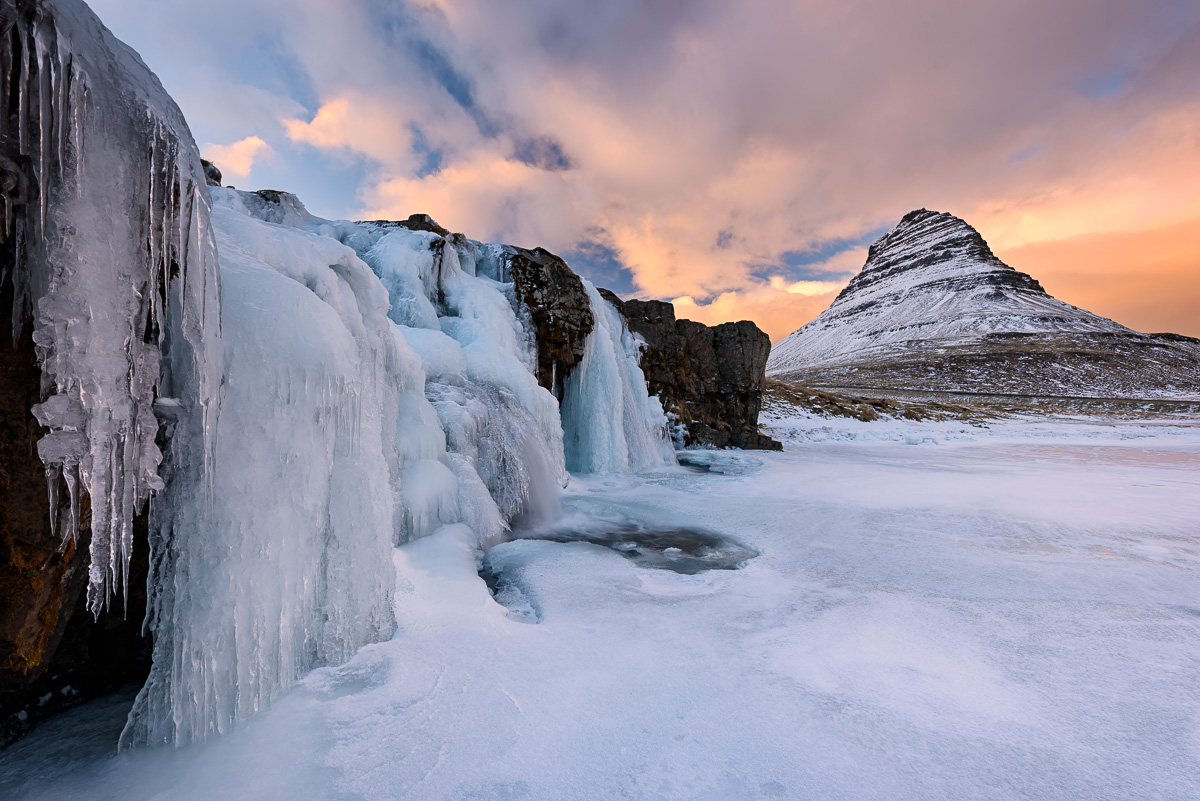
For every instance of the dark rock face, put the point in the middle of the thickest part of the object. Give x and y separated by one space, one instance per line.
558 305
710 378
211 173
415 222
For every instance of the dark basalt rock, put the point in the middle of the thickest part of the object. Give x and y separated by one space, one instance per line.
212 175
271 195
558 305
416 222
423 222
710 378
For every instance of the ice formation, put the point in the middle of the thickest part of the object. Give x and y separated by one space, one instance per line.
612 423
109 253
309 454
321 391
379 387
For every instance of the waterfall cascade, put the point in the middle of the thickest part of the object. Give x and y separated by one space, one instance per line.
321 391
613 425
379 385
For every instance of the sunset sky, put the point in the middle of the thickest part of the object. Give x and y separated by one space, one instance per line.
736 157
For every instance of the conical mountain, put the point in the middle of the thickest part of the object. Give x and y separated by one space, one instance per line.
934 309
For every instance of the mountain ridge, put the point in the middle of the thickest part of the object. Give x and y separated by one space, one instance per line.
934 308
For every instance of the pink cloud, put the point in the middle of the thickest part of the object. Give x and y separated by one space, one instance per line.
702 141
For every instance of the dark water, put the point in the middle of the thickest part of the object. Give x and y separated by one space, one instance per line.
684 550
714 461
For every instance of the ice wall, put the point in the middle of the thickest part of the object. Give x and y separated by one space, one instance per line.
612 424
379 386
502 428
292 569
108 252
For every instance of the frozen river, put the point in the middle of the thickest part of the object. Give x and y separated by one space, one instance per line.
936 612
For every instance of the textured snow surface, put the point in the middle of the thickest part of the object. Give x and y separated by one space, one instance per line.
997 613
930 282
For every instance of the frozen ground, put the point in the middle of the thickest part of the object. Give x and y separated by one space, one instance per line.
939 611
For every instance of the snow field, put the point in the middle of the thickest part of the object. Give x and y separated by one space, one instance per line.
1010 617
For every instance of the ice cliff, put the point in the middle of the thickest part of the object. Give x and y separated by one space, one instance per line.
109 284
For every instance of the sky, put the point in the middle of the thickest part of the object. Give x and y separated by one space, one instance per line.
737 158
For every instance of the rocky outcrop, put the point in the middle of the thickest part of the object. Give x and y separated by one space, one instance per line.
710 379
212 173
557 303
934 309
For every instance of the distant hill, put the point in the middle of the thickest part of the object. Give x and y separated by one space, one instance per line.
934 309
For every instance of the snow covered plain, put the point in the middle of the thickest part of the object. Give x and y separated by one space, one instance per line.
939 611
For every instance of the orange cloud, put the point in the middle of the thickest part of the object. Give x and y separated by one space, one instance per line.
777 313
235 160
704 143
354 122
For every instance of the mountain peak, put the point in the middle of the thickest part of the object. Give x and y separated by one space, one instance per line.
923 241
934 307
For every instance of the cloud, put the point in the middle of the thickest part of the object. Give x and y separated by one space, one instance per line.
778 284
778 313
1148 280
237 158
700 142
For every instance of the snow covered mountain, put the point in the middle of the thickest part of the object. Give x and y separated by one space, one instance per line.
934 309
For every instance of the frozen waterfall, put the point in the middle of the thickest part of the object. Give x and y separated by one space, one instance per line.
108 251
321 391
292 568
379 386
612 423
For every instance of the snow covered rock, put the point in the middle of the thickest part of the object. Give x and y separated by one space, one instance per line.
212 173
934 309
559 308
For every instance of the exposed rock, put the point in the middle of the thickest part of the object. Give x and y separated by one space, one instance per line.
785 400
415 222
711 379
558 305
211 173
934 309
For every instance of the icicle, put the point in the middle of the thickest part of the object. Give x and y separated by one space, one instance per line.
96 290
53 477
